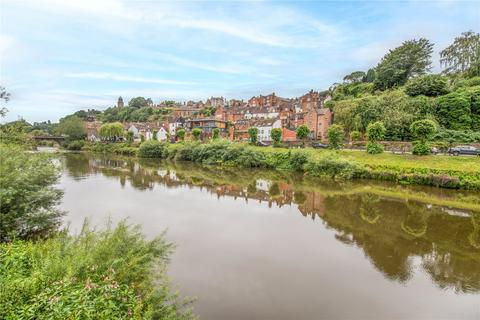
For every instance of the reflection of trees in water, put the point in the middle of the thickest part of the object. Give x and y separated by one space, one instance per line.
369 211
415 221
390 232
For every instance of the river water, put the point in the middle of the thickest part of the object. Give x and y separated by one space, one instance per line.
258 244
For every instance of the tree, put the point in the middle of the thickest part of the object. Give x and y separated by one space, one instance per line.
139 102
453 111
112 131
355 77
463 56
423 130
371 75
129 136
431 85
276 135
5 96
336 135
28 199
253 135
215 133
411 59
375 133
72 127
355 136
180 133
196 132
302 133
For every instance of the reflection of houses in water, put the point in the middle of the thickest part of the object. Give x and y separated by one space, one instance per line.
313 205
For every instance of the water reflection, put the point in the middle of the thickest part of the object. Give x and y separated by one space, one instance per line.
394 226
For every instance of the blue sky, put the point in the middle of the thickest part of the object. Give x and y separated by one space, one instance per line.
59 56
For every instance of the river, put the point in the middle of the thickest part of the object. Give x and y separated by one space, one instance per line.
258 244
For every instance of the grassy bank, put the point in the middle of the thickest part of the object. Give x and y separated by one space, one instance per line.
110 274
439 171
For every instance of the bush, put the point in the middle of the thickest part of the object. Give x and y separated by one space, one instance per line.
453 111
152 149
374 148
335 136
110 274
423 130
276 135
333 166
421 148
28 197
355 136
196 132
431 85
216 133
74 145
253 135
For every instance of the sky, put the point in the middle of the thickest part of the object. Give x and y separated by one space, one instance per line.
60 56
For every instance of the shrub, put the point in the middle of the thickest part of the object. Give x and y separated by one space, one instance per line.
335 136
276 135
253 135
196 132
110 274
355 136
375 132
216 133
333 166
453 111
180 133
28 197
431 85
74 145
302 133
298 160
421 148
152 149
374 148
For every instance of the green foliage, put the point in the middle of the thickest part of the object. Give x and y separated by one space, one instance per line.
334 166
74 145
336 135
196 132
423 130
15 133
371 76
354 77
302 132
421 148
374 148
215 133
352 90
139 102
180 133
431 85
152 149
72 127
453 111
111 131
134 114
109 274
253 135
355 136
130 136
457 136
28 197
463 56
276 135
463 83
411 59
375 131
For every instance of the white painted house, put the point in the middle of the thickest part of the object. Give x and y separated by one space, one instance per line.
162 134
265 128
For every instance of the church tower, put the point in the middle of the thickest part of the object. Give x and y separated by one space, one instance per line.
120 102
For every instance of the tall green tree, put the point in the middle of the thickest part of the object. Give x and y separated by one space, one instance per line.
302 133
276 135
336 135
375 133
180 133
423 130
453 111
412 58
72 127
28 197
463 55
196 132
139 102
355 77
430 85
253 135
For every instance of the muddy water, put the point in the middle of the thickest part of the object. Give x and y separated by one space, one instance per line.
255 244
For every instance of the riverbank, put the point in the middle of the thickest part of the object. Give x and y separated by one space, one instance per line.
439 171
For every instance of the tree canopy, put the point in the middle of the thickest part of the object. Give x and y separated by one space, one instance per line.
72 127
463 55
410 59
